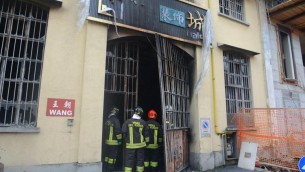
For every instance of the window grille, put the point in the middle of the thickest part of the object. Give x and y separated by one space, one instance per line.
232 8
122 73
237 83
22 39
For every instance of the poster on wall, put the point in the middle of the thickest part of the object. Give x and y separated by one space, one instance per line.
205 127
60 107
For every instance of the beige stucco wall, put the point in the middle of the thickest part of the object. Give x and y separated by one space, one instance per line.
242 35
73 69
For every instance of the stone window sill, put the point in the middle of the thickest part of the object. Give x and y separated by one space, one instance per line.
19 130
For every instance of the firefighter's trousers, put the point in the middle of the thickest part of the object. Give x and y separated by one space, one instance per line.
151 160
134 156
111 156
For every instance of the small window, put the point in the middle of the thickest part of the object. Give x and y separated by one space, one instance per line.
287 61
232 8
23 28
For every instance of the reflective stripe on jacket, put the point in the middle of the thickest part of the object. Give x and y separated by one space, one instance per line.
113 131
155 134
136 133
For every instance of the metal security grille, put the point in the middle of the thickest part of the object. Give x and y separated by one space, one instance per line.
22 39
232 8
237 83
121 73
175 85
174 80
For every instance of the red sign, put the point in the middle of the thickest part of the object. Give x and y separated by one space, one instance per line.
60 107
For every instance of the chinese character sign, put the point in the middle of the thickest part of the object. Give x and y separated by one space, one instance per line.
172 16
196 23
60 107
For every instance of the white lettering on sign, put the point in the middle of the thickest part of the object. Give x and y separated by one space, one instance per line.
55 104
60 112
67 104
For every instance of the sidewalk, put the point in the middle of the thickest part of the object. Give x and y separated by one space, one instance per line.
232 168
228 168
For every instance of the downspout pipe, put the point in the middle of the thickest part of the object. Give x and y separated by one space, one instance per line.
221 133
214 87
214 94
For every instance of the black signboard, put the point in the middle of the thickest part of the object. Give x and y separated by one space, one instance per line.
169 17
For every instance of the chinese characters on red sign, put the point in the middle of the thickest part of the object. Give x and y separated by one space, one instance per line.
60 107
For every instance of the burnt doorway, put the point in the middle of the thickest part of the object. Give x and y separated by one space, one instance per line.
142 71
131 79
174 75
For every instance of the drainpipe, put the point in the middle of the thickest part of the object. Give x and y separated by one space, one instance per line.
214 95
222 134
214 87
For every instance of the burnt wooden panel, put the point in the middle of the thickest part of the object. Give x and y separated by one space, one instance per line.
145 14
177 149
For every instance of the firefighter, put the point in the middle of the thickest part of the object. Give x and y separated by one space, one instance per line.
155 141
113 137
135 132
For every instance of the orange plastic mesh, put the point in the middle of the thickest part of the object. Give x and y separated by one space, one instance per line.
280 134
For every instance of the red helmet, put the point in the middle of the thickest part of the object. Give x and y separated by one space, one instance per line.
152 114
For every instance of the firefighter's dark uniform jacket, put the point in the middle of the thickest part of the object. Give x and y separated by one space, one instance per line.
155 134
113 131
136 133
152 149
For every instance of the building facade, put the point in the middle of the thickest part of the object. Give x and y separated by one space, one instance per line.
284 46
60 76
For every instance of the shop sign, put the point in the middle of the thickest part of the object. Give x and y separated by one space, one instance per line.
172 18
60 107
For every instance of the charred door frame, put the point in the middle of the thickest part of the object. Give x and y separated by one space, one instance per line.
175 95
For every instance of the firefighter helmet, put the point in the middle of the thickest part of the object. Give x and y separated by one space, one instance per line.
139 111
152 114
114 110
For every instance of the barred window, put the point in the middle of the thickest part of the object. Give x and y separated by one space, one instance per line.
237 82
22 38
232 8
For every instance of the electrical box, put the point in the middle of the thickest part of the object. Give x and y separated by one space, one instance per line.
231 146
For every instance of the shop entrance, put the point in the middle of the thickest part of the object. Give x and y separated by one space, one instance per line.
152 73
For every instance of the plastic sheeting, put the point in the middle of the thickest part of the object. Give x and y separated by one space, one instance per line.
207 32
84 6
84 13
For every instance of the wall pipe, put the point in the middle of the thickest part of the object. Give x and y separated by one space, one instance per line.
214 94
214 85
222 134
